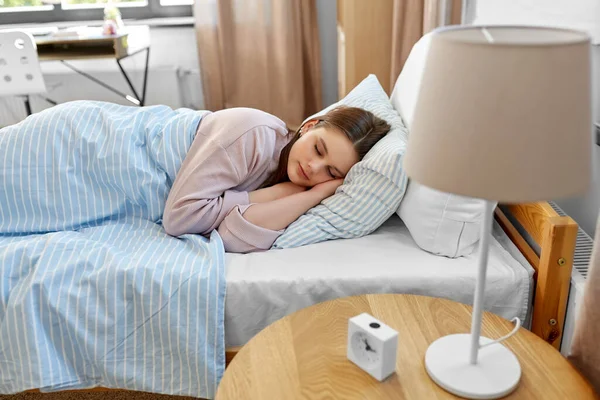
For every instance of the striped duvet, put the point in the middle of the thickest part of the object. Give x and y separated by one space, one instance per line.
92 291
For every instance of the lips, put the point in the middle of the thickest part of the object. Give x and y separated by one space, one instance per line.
301 171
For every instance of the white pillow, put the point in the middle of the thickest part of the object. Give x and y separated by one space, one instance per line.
440 223
373 188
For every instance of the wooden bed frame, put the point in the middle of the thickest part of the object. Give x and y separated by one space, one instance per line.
555 236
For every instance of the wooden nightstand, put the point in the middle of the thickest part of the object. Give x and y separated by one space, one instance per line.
304 354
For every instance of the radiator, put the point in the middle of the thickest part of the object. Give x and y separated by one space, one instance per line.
581 263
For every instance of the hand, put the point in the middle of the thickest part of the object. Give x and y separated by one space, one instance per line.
327 188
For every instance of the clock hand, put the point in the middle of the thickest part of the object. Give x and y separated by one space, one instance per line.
367 347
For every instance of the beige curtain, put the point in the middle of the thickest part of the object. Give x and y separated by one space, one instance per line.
262 54
585 350
414 18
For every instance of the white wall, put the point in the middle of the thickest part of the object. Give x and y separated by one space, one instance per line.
577 14
571 14
585 209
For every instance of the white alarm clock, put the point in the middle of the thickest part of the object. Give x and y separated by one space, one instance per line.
372 345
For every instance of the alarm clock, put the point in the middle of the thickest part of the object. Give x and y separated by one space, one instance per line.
372 346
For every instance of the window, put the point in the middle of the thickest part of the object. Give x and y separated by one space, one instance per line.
23 5
37 11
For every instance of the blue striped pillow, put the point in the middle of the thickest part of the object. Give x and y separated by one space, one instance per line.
373 188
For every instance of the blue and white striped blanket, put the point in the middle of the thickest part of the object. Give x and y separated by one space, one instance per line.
93 292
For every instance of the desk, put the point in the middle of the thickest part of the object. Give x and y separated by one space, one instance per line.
94 45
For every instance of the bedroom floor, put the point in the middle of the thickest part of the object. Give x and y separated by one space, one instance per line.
105 395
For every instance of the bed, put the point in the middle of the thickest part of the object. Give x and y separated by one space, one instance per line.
521 282
263 287
286 280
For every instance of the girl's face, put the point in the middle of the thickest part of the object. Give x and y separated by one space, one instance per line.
319 155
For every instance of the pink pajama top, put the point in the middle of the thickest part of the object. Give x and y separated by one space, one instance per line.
234 152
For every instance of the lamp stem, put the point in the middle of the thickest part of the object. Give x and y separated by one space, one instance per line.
484 245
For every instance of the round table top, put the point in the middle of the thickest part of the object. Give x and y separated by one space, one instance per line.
303 355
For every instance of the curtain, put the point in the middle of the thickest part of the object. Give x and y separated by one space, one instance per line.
585 351
414 18
263 54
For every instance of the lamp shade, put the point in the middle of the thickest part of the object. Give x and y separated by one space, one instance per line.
504 114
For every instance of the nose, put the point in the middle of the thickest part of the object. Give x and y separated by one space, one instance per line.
315 166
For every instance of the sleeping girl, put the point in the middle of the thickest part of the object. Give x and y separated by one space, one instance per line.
239 171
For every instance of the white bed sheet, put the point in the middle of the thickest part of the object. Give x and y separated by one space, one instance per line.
263 287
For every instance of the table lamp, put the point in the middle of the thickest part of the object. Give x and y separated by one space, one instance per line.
503 114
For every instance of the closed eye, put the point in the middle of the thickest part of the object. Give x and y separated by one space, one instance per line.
317 149
330 170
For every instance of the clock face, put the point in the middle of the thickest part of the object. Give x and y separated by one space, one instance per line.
364 352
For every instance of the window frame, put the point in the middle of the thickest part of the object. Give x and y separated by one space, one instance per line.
152 10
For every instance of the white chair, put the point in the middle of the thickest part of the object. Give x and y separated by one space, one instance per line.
20 72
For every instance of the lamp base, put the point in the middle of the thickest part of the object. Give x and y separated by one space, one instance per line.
496 374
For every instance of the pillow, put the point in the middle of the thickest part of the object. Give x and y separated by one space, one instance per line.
440 223
372 189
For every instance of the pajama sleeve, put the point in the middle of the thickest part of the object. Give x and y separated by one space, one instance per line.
241 236
204 198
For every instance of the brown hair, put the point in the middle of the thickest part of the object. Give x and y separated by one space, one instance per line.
360 126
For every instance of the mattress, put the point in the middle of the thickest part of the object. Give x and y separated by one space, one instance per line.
264 287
